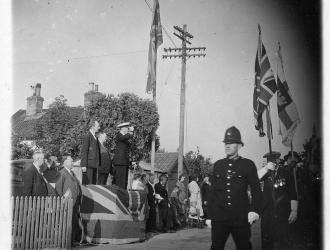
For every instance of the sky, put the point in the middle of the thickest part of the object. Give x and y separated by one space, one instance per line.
64 45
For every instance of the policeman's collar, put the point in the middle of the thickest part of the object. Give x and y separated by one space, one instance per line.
233 159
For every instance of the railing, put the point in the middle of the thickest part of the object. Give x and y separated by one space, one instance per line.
41 222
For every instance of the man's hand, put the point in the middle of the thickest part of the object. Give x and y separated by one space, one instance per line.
205 202
252 217
84 169
293 216
270 166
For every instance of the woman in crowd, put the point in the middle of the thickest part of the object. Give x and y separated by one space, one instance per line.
195 198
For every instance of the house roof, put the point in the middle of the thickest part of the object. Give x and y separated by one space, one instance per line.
164 162
25 127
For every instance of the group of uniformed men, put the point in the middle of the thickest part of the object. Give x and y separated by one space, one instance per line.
273 198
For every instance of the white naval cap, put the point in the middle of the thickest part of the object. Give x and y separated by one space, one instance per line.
124 124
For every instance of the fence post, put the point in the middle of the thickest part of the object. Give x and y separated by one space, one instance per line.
33 220
69 224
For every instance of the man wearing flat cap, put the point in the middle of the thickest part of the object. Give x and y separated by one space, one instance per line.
121 157
228 204
279 202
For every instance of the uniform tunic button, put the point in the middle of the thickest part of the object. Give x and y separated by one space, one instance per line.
230 164
228 196
228 177
228 184
229 171
229 203
228 190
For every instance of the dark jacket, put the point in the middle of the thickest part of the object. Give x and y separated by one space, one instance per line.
121 156
90 152
161 190
34 183
150 196
205 191
106 163
278 189
68 181
228 198
51 174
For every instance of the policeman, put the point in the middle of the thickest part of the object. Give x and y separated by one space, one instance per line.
279 202
228 202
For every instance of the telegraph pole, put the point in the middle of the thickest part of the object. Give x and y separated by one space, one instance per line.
184 36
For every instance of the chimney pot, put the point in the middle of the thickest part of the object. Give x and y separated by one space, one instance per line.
96 87
91 85
37 89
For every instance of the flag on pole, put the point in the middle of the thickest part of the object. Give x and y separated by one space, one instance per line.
156 39
287 110
264 85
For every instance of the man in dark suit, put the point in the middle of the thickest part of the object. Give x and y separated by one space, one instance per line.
151 221
228 204
163 202
90 154
121 157
50 171
34 182
68 186
105 166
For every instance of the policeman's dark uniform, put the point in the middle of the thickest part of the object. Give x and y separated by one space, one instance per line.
228 203
278 189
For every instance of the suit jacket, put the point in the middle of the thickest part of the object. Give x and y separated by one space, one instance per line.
90 152
121 156
151 196
68 181
34 183
51 174
106 163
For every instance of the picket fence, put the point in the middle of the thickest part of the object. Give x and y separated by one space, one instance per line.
41 222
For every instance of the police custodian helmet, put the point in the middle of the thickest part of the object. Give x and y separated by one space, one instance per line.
233 135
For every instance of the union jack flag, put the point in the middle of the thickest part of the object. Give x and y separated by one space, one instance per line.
287 110
156 39
113 215
264 85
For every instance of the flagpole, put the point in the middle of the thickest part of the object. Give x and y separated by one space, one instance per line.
153 142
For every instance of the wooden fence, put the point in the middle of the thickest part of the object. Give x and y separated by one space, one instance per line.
41 222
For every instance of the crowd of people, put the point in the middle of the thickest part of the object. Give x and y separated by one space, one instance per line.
232 197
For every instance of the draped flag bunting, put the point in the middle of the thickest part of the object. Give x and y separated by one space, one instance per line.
287 110
156 39
264 85
113 215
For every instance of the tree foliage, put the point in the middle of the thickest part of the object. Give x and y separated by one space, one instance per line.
197 164
19 149
53 127
110 111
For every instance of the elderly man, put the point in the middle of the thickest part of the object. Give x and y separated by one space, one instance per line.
90 154
121 157
69 186
228 203
34 182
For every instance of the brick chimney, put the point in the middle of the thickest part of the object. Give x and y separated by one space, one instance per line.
92 95
35 102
